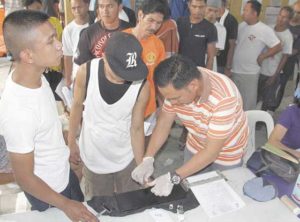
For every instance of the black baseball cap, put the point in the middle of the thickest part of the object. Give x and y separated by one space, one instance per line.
123 53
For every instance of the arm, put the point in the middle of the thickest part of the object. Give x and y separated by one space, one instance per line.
202 159
160 132
270 52
211 53
137 124
76 114
6 178
229 57
68 63
277 135
23 166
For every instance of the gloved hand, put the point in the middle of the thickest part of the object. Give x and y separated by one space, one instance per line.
143 171
162 185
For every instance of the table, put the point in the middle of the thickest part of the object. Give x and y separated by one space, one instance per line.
273 210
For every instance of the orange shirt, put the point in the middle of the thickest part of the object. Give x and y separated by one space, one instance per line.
153 54
218 114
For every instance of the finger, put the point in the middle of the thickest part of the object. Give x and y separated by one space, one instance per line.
151 184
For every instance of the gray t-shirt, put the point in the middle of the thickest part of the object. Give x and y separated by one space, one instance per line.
4 161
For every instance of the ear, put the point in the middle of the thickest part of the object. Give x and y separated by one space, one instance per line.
193 85
120 7
26 56
140 15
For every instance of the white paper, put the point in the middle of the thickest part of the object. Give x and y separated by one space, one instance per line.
150 123
217 198
64 93
159 215
203 176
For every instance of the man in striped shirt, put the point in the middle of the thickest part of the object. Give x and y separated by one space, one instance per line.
210 107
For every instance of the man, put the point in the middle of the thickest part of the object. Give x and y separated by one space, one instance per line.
224 58
292 60
150 17
29 121
271 68
253 37
211 14
115 96
197 35
210 107
70 37
178 8
93 39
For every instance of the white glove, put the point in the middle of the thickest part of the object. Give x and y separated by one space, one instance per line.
143 171
162 185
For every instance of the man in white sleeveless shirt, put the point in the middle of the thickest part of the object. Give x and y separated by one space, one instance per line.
114 94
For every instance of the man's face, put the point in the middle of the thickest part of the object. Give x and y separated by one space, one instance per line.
197 9
150 23
44 42
248 13
283 18
211 13
296 9
79 8
183 96
108 11
36 6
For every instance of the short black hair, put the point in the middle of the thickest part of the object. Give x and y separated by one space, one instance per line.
176 70
26 3
155 6
119 2
16 27
256 6
289 10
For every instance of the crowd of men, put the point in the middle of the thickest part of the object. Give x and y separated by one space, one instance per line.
204 69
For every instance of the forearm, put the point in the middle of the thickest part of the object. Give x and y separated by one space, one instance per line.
68 68
281 64
198 162
230 55
74 123
6 178
270 52
209 62
281 146
138 144
40 190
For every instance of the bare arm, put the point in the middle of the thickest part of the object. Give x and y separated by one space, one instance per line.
211 53
202 159
276 136
229 57
68 64
137 124
160 132
76 113
6 178
23 166
270 52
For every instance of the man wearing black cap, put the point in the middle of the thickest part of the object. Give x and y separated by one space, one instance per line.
115 94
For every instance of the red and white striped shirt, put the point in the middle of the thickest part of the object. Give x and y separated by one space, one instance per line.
218 114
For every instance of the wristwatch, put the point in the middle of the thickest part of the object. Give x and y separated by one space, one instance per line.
175 178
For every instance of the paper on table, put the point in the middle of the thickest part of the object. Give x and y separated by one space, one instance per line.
217 198
160 215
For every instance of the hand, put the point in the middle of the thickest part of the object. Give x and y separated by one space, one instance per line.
162 185
143 171
227 72
297 93
74 153
260 59
68 82
76 211
271 80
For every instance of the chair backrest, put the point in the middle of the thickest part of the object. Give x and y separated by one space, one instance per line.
255 116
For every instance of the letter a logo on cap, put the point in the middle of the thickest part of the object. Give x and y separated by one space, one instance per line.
131 60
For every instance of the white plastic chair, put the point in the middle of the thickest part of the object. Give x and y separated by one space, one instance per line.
255 116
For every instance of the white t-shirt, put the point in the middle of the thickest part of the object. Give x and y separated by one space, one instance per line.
70 38
251 40
29 123
269 65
